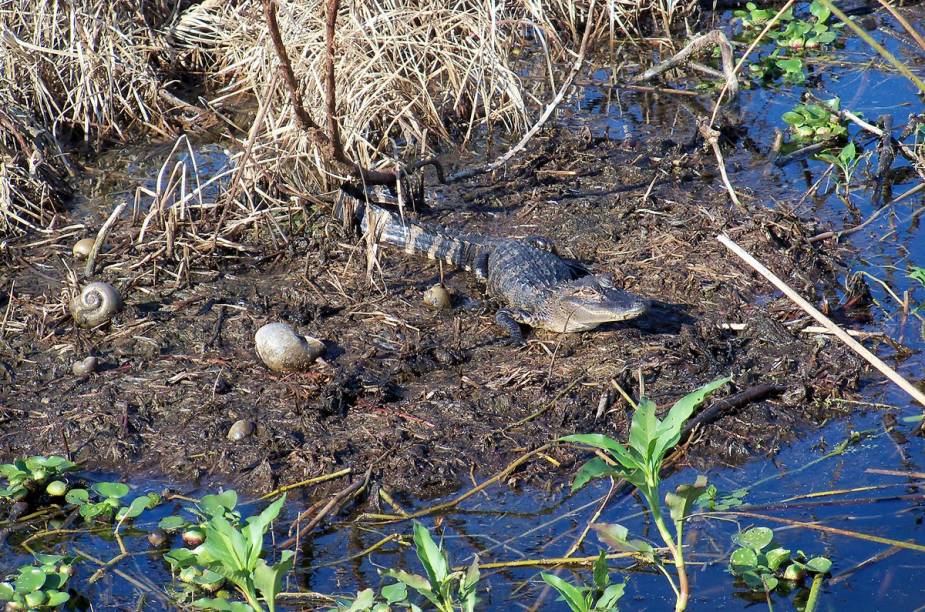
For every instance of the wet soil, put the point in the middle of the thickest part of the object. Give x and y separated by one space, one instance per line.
429 398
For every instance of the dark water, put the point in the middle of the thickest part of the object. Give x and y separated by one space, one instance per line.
501 524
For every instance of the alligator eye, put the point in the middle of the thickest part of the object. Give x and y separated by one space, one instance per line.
587 292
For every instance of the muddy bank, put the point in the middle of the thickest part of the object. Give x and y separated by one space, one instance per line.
428 398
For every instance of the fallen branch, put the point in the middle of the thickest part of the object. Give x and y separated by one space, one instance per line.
856 346
711 136
333 504
710 39
725 405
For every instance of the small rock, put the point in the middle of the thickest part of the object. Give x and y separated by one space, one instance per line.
240 430
83 247
85 367
437 297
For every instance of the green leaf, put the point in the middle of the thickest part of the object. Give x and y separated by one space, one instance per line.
468 585
432 558
269 578
848 153
617 450
742 561
256 527
776 557
226 545
395 593
55 598
219 503
755 538
363 601
610 596
669 432
643 430
77 496
791 65
769 581
819 565
111 489
178 558
601 571
6 591
30 579
819 11
416 582
173 523
572 596
680 502
918 274
594 468
617 537
138 505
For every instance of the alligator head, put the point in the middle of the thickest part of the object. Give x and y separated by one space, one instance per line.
589 301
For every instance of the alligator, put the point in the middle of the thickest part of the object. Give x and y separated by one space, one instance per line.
535 286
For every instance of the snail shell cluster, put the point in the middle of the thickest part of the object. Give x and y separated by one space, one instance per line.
95 304
437 297
283 350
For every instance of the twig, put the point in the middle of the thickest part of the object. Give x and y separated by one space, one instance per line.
332 504
305 483
721 406
712 137
904 23
547 113
716 37
460 498
870 219
555 561
101 238
859 348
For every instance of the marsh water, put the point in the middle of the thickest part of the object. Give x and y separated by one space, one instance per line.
863 507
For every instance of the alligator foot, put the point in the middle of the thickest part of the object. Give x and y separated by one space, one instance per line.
505 319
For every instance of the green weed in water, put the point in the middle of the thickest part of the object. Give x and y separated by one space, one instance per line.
39 587
600 596
446 590
640 462
763 566
30 474
816 122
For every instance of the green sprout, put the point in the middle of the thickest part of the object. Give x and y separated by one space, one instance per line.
232 553
446 590
600 596
762 565
846 161
39 587
640 463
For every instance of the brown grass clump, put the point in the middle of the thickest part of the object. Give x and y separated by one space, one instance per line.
88 66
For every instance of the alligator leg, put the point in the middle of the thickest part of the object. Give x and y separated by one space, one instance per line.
507 319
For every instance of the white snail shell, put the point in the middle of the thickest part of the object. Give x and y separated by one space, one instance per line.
437 297
283 350
96 304
85 367
83 247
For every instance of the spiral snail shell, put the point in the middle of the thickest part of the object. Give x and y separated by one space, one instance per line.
283 350
95 304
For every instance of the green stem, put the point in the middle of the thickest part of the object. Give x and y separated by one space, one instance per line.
876 46
813 598
674 548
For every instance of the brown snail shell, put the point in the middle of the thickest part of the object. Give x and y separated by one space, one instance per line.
82 248
438 298
283 350
85 367
96 304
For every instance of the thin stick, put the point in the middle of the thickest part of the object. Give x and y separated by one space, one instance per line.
716 37
889 57
310 481
101 238
903 22
859 348
712 137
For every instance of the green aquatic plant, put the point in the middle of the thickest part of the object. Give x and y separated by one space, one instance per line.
103 501
640 463
917 274
39 586
816 122
762 565
25 475
600 596
444 589
233 553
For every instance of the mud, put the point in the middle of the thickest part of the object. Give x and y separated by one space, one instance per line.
426 398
